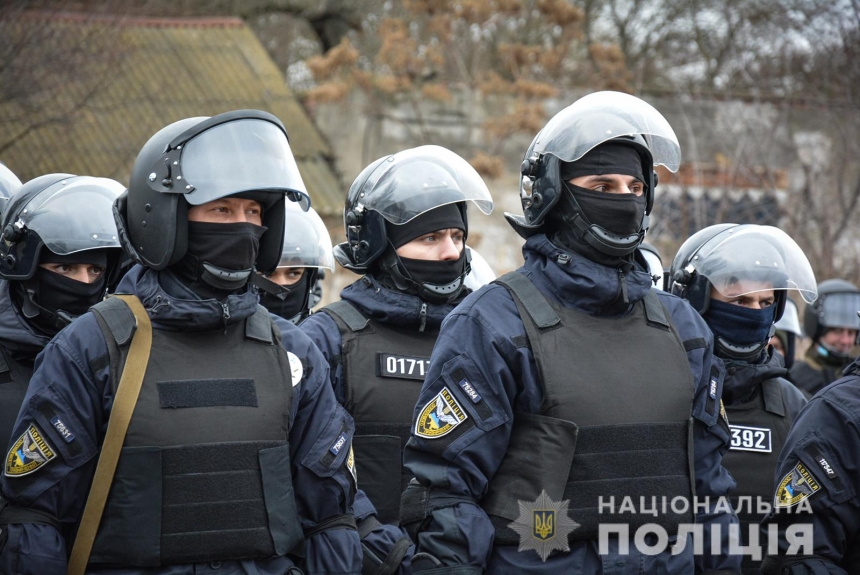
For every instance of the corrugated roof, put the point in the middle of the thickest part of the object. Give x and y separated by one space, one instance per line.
142 74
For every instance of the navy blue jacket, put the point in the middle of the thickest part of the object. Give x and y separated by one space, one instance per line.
387 306
825 442
743 379
477 339
83 398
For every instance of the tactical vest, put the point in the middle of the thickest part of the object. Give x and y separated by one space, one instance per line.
14 379
759 428
204 473
606 431
383 370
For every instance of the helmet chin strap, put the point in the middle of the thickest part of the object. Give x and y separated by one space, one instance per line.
31 309
600 238
393 268
746 353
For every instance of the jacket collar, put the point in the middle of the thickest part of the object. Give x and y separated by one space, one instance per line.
392 307
16 334
742 378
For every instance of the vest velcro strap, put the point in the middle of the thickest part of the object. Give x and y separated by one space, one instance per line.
533 301
393 560
655 313
772 395
258 327
366 525
350 316
118 317
13 515
346 521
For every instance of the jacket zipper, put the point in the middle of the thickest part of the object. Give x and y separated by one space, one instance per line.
423 315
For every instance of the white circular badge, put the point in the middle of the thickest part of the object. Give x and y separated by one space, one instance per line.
296 369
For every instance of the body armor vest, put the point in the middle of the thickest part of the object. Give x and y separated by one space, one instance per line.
383 371
204 472
759 428
605 431
14 378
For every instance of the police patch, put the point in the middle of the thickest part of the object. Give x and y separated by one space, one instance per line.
30 452
296 369
796 486
440 416
350 465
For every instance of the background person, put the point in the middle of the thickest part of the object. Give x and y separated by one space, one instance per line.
788 333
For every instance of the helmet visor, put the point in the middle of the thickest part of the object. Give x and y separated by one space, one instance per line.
307 243
750 258
602 116
241 156
420 179
840 310
75 215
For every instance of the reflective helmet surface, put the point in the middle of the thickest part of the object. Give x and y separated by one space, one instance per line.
198 160
737 260
9 182
577 129
481 273
790 320
63 213
399 188
307 243
655 264
836 307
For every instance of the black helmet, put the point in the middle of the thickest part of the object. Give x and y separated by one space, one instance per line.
9 182
63 213
573 132
721 255
398 188
837 306
246 152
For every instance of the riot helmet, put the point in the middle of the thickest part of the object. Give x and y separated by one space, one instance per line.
59 218
9 182
788 331
586 124
481 273
245 154
655 265
836 307
307 245
736 261
397 193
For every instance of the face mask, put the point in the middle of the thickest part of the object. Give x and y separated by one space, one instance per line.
52 300
434 272
219 255
293 304
737 324
617 213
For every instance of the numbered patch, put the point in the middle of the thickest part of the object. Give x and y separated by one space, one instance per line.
402 366
30 452
796 486
750 438
440 416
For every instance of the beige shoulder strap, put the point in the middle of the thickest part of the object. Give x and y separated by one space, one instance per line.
120 417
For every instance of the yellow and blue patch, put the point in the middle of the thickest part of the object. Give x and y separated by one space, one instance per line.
797 485
30 452
440 416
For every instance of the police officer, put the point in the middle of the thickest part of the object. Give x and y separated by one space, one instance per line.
60 246
236 454
534 409
738 278
406 227
818 471
305 256
833 325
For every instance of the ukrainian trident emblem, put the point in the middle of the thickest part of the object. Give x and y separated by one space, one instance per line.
543 526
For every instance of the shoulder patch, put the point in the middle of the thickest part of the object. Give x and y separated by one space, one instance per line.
797 485
440 416
296 369
30 452
350 465
723 413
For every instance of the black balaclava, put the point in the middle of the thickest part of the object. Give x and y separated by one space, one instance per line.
740 326
50 301
621 214
295 300
394 269
229 247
